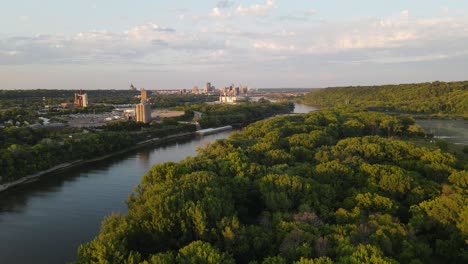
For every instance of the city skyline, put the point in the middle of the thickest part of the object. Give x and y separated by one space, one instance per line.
105 44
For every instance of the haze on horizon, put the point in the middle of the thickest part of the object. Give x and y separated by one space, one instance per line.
104 44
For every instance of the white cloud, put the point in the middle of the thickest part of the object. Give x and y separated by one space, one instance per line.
404 14
256 9
9 53
150 32
146 43
273 46
299 16
217 54
369 40
374 39
217 13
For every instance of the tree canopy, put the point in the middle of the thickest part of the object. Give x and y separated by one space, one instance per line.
448 98
322 187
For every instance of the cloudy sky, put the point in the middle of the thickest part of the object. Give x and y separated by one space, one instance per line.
108 44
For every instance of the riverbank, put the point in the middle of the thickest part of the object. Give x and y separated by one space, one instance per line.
64 209
67 165
148 142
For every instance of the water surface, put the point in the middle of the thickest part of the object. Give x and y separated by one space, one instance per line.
302 108
454 131
45 221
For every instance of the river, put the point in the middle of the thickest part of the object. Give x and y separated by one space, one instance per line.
454 131
303 109
46 221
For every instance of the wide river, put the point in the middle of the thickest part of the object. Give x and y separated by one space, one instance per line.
46 221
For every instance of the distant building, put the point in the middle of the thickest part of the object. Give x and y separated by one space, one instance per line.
81 99
195 90
144 95
228 99
209 88
143 109
132 88
129 114
232 94
143 113
68 105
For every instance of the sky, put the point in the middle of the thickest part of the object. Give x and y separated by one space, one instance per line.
108 44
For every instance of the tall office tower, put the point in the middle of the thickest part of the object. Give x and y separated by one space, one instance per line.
144 95
143 112
85 100
81 99
207 87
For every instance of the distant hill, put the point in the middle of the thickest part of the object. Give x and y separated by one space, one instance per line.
424 98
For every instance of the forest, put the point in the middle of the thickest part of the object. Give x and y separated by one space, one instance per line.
38 97
25 151
172 100
436 98
216 115
324 187
10 98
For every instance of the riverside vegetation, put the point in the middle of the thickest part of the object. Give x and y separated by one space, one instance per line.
20 106
323 187
25 151
215 115
436 98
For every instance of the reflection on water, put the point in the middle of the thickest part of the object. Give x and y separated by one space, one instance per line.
454 131
46 221
303 109
144 158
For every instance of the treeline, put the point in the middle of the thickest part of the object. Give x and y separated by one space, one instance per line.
25 151
39 97
19 106
324 187
216 115
447 98
25 116
20 115
20 160
172 100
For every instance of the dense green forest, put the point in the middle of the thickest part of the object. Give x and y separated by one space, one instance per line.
323 187
39 97
446 98
172 100
25 151
215 115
